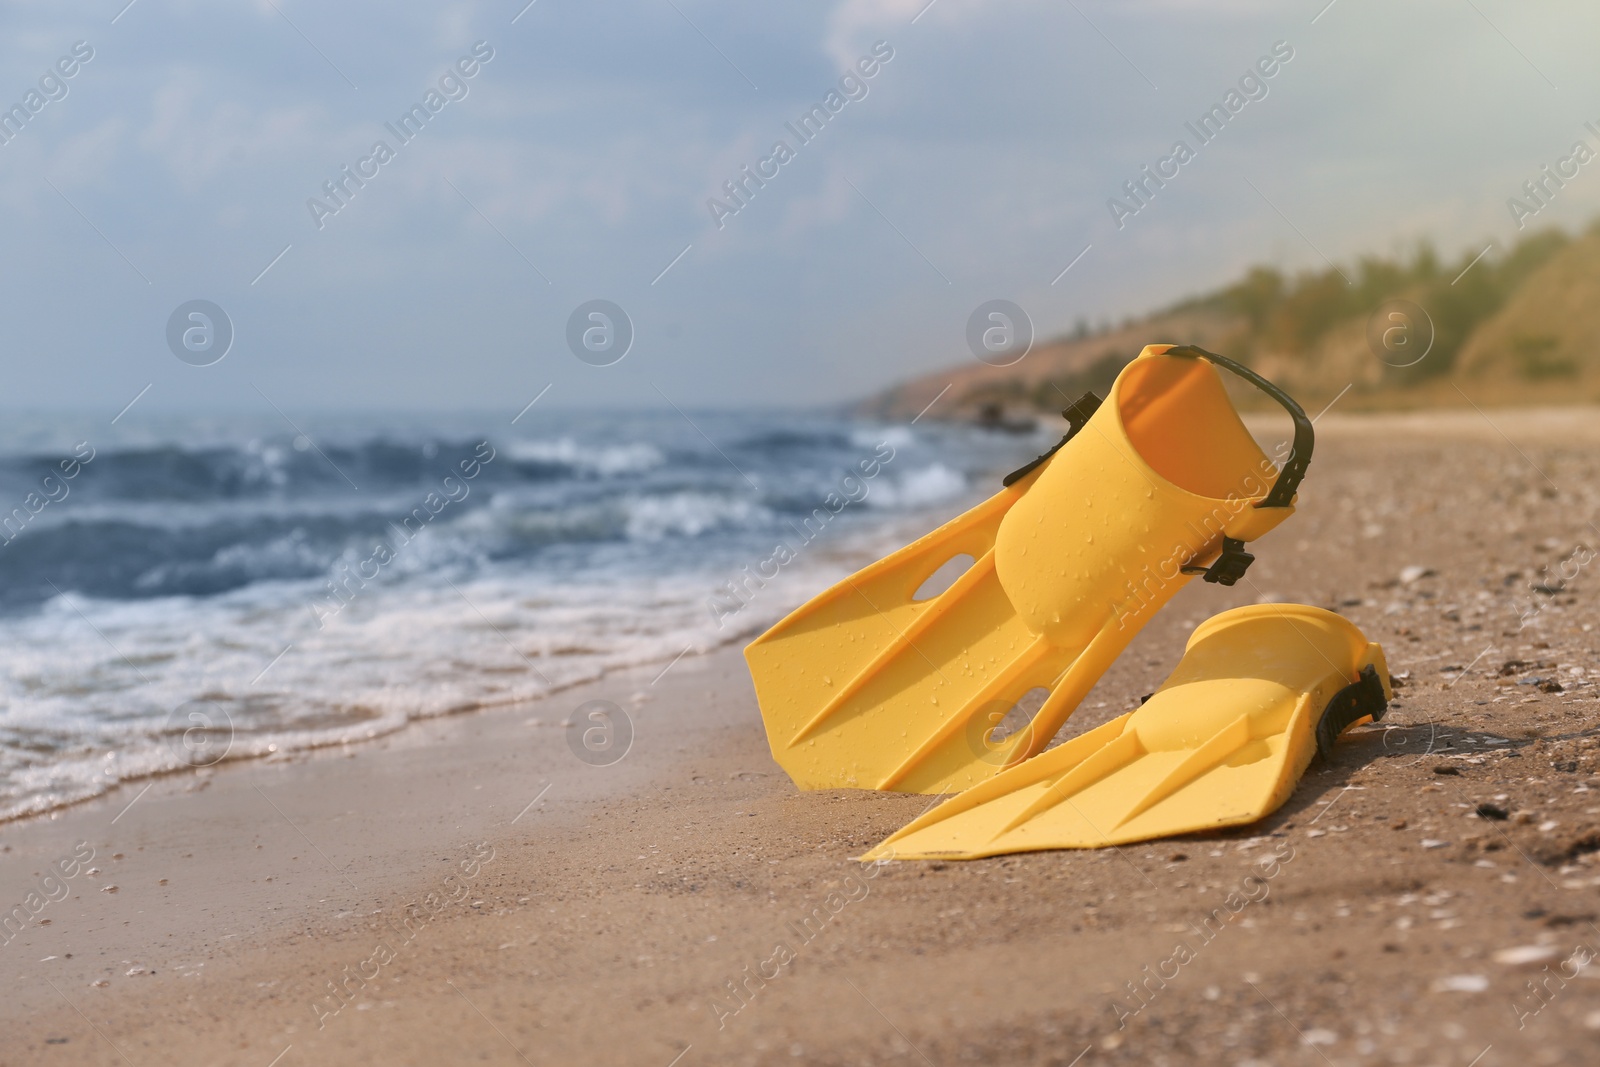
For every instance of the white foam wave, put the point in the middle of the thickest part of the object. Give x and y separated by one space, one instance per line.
85 705
898 437
555 581
690 515
927 486
606 460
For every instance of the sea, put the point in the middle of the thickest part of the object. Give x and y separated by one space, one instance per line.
180 591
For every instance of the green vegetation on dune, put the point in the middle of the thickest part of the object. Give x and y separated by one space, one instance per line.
1513 325
1291 315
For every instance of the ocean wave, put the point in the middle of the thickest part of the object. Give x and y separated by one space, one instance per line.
204 561
605 460
78 716
517 523
231 566
897 437
786 439
691 515
930 485
260 467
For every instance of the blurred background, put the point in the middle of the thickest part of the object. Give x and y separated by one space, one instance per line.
978 165
663 275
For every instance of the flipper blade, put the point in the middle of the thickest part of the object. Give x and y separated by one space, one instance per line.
904 641
1222 743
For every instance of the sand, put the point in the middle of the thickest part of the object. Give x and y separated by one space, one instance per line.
568 913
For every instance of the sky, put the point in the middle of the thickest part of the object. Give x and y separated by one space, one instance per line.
580 160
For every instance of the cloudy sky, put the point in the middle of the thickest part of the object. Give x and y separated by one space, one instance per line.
577 163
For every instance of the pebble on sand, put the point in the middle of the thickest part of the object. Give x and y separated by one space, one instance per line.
1461 983
1526 955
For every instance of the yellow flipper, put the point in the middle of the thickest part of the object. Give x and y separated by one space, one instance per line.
1259 691
866 687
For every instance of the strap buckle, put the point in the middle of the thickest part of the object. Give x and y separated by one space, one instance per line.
1077 415
1357 700
1228 567
1080 410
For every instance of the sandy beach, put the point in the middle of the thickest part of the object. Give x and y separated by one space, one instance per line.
469 890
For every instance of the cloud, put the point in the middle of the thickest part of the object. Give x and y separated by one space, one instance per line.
90 157
197 136
853 25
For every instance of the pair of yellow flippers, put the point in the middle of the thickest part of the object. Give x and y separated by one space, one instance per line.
867 686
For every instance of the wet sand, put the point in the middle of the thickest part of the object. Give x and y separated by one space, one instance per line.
471 891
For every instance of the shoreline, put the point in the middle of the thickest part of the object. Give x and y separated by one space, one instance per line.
321 827
278 752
